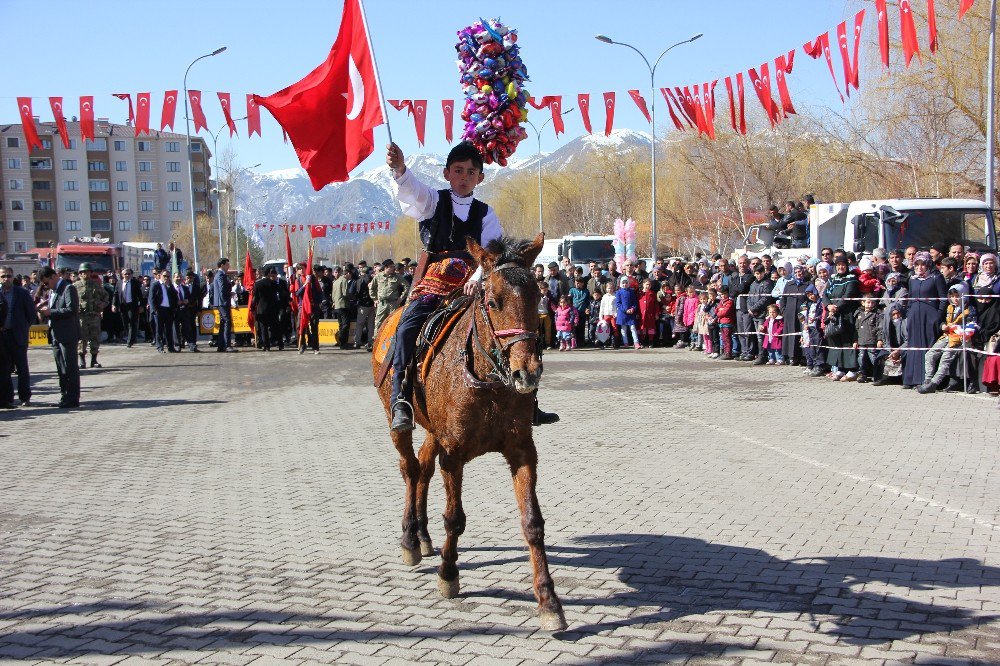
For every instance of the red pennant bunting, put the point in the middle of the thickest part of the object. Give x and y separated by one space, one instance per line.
554 105
169 110
670 110
253 116
419 110
783 67
28 123
226 103
142 113
965 6
762 84
86 117
609 107
732 103
317 231
699 111
814 49
583 101
850 67
197 114
708 102
822 47
448 110
57 113
908 28
883 32
641 103
681 104
741 94
932 25
131 111
859 20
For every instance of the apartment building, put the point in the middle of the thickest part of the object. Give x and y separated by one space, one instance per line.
116 186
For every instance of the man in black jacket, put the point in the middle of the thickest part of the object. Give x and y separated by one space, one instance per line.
265 310
364 325
758 298
127 303
163 298
739 288
63 311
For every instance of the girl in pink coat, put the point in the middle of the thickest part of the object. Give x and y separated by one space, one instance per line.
772 329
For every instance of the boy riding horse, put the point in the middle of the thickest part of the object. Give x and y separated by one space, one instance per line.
446 217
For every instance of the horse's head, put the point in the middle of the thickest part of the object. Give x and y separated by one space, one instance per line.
510 295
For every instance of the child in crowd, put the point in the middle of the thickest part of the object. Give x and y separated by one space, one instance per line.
665 302
594 316
725 313
648 313
772 328
545 309
699 331
711 324
811 319
579 299
961 322
840 338
607 312
869 282
822 277
890 370
682 329
627 312
566 318
868 324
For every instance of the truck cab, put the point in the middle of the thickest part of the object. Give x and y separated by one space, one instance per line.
581 249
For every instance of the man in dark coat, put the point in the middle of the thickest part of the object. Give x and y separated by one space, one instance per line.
14 326
160 258
758 298
792 299
63 311
265 309
163 299
127 303
222 295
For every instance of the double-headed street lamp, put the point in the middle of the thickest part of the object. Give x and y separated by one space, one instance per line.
652 113
538 136
187 123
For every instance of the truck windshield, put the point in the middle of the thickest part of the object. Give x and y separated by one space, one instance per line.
923 228
584 251
98 262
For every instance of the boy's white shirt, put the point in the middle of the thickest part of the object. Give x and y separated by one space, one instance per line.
419 201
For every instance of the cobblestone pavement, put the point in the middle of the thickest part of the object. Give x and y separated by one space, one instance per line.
247 508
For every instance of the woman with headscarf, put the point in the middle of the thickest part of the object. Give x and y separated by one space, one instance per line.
971 266
928 296
792 298
823 271
986 283
842 292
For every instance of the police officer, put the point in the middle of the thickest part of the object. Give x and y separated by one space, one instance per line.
93 300
388 290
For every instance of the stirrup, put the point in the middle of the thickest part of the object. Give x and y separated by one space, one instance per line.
404 424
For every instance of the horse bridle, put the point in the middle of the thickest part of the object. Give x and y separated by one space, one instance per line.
501 340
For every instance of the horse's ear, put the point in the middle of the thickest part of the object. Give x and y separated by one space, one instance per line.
532 251
480 254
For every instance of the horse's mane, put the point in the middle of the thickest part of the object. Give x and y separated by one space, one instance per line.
510 250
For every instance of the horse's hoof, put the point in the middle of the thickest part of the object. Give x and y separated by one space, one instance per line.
426 548
448 588
411 558
552 621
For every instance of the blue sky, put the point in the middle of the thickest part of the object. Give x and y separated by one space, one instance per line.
101 47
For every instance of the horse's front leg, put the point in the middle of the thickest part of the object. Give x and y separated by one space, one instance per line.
523 464
454 525
428 453
409 467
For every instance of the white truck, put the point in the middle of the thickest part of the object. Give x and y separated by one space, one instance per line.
580 248
893 224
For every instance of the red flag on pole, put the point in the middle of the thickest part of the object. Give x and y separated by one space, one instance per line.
142 114
169 110
248 285
641 103
131 111
330 114
883 32
87 117
448 110
419 110
908 28
965 6
253 117
28 122
57 113
583 101
932 25
290 269
197 114
609 107
225 101
305 312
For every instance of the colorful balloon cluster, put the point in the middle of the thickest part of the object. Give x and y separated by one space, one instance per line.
624 242
492 77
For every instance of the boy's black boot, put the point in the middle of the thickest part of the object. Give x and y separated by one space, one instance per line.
402 418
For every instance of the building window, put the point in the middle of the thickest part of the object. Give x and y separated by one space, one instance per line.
72 144
71 186
100 225
119 145
41 184
15 184
99 185
69 165
174 186
173 146
174 167
12 142
2 224
13 162
47 144
121 185
41 163
124 225
16 204
72 225
98 206
71 205
195 147
144 146
146 205
3 247
17 225
148 225
20 246
97 165
121 165
43 225
122 205
145 186
145 166
43 205
97 144
176 206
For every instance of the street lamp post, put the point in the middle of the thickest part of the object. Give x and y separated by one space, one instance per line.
218 191
652 116
991 106
187 124
538 136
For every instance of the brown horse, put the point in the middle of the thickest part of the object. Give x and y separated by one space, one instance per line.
479 398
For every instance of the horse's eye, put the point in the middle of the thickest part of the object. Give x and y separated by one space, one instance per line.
493 304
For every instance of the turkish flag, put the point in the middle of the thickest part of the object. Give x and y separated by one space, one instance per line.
965 6
908 29
782 68
883 32
226 102
583 101
822 47
253 117
448 111
554 105
142 114
131 110
305 312
741 94
670 109
679 102
609 106
28 122
932 25
57 112
317 230
859 20
732 102
169 110
850 67
330 114
197 114
641 103
248 285
762 84
87 117
419 111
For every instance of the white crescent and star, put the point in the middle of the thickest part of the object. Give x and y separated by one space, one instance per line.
25 110
170 99
357 89
57 107
142 101
610 103
86 106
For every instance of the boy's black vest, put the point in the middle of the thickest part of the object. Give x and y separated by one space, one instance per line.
446 233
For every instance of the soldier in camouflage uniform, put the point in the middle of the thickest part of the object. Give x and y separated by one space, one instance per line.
93 300
388 290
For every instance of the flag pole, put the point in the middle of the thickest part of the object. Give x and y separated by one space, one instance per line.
378 79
